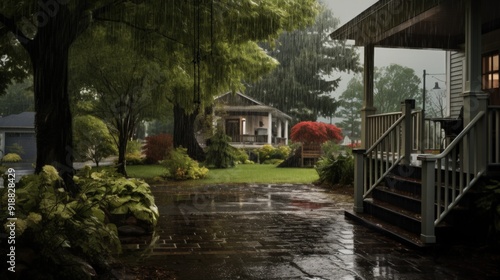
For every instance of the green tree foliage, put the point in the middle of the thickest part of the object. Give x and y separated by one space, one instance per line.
47 29
122 85
219 153
179 166
393 84
14 66
92 139
351 103
300 86
18 98
230 55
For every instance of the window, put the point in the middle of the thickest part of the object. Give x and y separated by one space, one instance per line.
490 73
491 77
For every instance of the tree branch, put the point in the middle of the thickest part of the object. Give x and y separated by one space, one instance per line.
12 27
148 30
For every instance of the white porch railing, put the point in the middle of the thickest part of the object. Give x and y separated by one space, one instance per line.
448 176
256 139
494 135
426 136
377 125
385 153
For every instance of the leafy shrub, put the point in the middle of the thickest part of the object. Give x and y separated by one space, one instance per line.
282 152
339 170
268 152
134 147
181 167
157 147
219 153
11 157
330 147
120 196
265 152
134 159
67 237
241 156
16 148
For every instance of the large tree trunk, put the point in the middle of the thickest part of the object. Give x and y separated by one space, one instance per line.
53 123
184 133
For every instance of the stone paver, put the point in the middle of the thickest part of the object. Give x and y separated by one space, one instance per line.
287 232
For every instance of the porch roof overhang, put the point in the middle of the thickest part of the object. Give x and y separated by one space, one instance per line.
420 24
256 109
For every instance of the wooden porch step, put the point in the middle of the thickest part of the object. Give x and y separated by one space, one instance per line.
404 185
388 229
404 219
403 200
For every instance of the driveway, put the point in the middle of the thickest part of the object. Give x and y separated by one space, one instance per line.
287 232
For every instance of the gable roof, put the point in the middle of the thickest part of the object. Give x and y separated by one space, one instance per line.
238 102
237 99
22 120
436 24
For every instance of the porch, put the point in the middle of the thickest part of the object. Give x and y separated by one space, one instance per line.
411 176
249 123
411 188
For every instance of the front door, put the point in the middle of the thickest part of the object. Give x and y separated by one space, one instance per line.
233 129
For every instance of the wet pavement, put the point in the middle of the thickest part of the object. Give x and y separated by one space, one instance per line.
287 232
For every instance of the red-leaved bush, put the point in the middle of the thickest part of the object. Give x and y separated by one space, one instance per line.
315 132
157 146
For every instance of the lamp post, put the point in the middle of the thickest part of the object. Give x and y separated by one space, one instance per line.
436 86
422 133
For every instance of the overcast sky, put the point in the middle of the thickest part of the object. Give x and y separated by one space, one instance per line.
431 60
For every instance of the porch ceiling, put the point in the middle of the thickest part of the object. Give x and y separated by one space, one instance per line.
437 24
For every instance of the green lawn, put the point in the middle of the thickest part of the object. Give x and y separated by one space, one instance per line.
245 173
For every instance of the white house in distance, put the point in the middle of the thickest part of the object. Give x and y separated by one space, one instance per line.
250 123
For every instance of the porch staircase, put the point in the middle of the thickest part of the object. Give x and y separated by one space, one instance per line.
394 208
423 202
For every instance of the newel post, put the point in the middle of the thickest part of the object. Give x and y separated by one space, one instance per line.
407 140
358 179
427 230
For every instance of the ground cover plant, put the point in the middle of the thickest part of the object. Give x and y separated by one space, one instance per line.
64 236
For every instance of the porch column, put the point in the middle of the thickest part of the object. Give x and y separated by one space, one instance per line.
270 129
279 129
475 100
286 132
368 109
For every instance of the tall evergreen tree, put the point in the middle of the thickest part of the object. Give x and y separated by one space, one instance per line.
301 85
351 102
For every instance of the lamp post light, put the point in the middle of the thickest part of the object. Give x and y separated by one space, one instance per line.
436 86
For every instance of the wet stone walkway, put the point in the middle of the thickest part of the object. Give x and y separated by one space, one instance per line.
286 232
